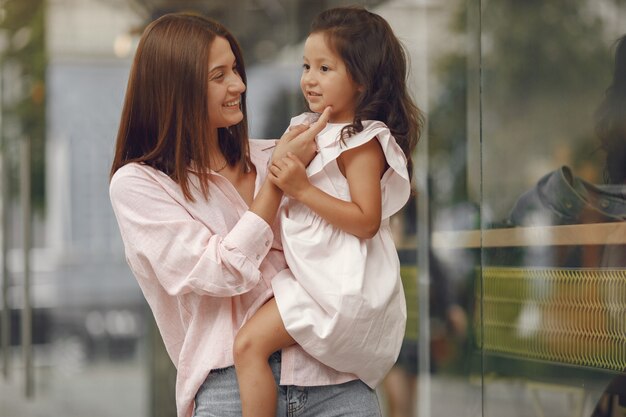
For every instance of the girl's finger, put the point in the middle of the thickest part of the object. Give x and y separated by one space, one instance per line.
280 164
322 121
274 170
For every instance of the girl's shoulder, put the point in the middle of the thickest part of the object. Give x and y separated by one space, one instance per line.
371 129
331 146
331 136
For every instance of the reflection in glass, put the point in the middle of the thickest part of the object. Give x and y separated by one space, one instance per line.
552 277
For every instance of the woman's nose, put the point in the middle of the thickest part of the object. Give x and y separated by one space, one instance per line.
237 86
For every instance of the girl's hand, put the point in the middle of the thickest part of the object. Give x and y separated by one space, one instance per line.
300 140
289 174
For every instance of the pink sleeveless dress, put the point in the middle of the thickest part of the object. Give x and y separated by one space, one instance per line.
342 298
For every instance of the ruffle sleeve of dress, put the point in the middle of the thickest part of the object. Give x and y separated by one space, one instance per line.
188 246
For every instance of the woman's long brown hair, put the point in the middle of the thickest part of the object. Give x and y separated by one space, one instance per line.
165 122
376 60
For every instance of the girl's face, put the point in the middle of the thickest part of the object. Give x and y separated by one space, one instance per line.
225 86
326 82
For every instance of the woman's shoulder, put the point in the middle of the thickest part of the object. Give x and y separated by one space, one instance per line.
135 176
134 170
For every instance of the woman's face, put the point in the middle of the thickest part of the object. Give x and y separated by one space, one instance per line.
225 86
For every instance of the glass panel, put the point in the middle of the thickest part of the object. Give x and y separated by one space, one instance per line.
553 204
453 149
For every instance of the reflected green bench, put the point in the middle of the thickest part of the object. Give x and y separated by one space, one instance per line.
571 316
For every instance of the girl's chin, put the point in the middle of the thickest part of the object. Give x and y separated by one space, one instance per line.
316 107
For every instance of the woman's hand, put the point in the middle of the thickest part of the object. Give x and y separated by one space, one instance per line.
300 140
289 174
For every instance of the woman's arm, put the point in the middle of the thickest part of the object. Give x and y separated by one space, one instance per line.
363 168
163 242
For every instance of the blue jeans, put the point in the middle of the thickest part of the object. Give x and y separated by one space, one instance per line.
219 397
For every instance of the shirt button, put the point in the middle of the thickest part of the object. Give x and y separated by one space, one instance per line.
267 243
258 257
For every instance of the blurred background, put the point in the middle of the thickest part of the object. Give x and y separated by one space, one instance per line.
513 247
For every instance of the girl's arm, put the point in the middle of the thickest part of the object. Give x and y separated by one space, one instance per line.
363 168
300 140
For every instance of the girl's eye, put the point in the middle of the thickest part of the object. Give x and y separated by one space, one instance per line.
324 68
306 67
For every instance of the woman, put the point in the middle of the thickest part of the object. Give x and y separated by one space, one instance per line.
197 215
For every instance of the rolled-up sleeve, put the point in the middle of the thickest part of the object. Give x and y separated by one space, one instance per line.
163 240
251 236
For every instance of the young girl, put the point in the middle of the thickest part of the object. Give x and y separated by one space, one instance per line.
342 298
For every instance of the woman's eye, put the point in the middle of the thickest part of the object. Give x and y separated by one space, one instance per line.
216 76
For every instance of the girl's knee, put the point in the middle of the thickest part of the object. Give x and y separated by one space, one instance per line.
245 348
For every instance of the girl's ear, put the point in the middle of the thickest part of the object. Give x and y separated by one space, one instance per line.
360 89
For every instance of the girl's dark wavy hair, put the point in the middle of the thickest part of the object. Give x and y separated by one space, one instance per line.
611 119
377 61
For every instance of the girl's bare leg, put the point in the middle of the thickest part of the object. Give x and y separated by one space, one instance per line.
261 336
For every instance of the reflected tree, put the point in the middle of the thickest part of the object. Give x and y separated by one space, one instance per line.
23 60
544 67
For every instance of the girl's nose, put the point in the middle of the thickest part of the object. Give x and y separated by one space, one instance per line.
308 78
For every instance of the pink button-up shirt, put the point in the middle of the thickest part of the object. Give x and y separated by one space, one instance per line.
204 267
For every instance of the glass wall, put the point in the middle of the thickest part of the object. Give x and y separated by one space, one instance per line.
513 247
553 155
